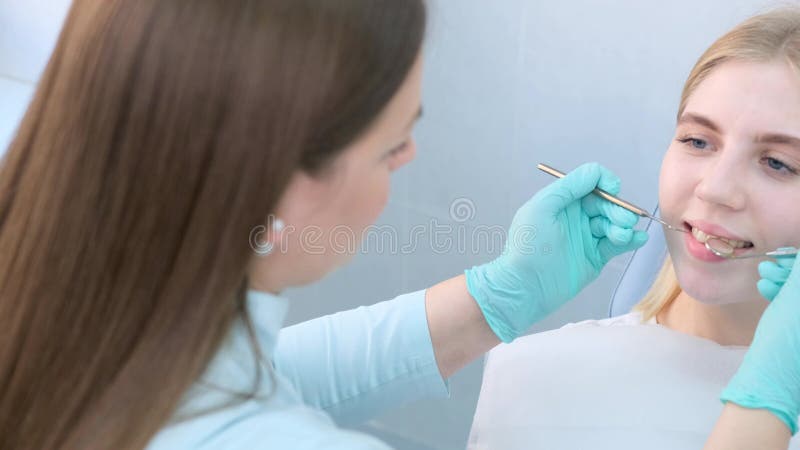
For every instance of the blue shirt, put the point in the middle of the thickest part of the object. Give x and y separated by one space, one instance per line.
345 367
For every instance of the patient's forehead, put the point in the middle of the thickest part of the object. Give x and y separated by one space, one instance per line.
750 97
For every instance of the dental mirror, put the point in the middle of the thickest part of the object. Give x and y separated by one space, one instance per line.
725 250
719 247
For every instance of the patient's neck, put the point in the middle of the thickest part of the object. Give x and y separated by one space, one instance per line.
732 324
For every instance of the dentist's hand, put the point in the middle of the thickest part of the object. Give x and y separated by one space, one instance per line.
773 275
557 244
769 377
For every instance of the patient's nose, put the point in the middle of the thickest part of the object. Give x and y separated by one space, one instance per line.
723 183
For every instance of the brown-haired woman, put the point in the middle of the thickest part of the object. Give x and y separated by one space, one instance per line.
134 310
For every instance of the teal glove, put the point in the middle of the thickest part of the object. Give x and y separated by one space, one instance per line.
557 244
773 275
769 377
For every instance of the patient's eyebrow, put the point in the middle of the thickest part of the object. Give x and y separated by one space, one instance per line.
775 138
699 120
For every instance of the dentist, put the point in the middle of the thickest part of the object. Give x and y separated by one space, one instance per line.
170 144
135 311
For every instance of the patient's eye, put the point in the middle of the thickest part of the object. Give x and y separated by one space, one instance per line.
699 144
778 165
398 149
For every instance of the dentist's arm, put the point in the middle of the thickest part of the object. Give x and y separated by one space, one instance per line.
459 332
558 243
358 363
763 398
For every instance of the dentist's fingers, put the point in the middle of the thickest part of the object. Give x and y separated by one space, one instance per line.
773 271
595 206
768 289
576 185
774 274
609 181
602 227
608 250
786 262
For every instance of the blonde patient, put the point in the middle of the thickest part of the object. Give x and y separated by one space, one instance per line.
652 378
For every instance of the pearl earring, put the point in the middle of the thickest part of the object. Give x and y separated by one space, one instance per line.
259 246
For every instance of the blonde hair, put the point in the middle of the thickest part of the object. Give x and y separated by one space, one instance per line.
664 289
774 35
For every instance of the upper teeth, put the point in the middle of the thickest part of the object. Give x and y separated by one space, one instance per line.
703 237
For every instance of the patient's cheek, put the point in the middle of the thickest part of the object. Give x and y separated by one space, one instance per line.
671 188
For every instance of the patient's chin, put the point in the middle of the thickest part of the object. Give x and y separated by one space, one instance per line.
716 291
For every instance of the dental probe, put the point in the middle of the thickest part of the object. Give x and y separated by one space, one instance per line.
615 200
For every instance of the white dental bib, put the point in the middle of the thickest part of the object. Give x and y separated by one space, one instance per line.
608 384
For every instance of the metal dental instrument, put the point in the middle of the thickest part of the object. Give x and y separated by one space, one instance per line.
725 250
713 244
617 201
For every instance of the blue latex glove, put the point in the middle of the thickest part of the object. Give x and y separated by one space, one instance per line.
558 242
769 377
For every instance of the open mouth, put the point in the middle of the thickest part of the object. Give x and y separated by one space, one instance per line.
704 237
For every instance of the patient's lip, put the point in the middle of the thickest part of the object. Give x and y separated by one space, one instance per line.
715 230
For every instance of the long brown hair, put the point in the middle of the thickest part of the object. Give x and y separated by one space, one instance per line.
161 133
770 36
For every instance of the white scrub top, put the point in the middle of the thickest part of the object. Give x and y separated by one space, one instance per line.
345 367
